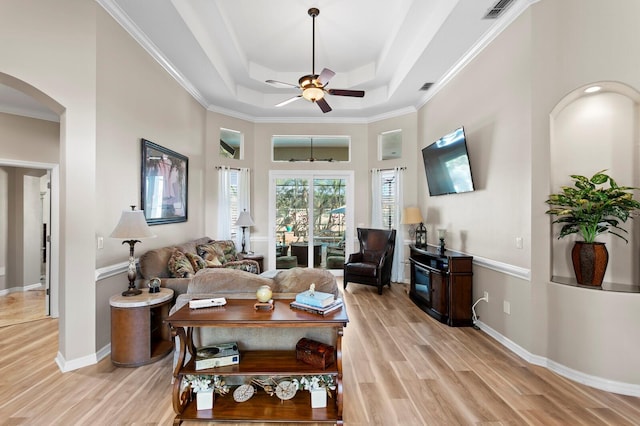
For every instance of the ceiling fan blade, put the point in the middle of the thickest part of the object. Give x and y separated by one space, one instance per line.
288 101
325 76
281 84
324 106
344 92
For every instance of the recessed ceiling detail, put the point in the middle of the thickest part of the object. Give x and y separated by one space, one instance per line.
314 86
222 52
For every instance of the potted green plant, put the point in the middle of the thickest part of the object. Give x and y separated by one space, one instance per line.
591 208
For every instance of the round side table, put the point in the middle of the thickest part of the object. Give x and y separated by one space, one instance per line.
138 333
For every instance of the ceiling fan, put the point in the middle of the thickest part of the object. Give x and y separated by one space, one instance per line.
312 158
314 86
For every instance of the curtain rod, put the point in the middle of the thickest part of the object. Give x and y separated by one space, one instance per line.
386 170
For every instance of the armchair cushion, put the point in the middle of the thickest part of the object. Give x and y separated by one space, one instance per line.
372 256
364 269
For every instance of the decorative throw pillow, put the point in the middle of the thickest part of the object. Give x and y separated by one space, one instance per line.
196 261
211 253
179 265
228 249
213 263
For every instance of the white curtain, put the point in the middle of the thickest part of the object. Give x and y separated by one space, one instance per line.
244 203
376 199
397 268
224 204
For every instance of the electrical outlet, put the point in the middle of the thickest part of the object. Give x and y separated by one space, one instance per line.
486 296
506 307
100 243
518 242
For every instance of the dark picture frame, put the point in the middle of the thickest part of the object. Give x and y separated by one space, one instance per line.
165 177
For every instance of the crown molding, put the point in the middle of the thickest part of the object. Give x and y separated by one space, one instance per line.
125 22
123 19
505 21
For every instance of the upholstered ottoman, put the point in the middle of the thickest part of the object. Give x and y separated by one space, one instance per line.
335 262
286 262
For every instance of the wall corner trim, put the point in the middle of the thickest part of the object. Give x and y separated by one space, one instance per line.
70 365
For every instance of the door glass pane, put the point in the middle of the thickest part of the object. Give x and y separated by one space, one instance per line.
329 202
292 230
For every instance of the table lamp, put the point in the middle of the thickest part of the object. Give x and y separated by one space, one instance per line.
244 221
132 227
412 216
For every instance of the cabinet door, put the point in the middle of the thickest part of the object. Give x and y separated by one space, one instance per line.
439 293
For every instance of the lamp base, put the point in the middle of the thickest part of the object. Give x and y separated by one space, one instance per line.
131 291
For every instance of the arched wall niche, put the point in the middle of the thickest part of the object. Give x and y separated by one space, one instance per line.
591 132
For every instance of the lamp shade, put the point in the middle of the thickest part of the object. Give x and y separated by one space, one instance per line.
132 226
244 219
411 215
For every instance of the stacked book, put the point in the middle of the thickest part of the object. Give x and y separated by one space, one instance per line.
316 302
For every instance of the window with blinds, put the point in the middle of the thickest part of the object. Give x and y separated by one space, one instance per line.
387 180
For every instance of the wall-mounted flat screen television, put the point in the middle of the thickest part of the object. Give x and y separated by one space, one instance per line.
447 166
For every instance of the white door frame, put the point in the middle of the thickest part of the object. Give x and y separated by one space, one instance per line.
53 254
347 175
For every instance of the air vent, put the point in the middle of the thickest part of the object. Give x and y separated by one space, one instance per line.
426 86
498 9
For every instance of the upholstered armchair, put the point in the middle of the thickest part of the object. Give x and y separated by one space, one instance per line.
372 264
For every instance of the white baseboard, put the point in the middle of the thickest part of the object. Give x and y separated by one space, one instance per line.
74 364
577 376
21 289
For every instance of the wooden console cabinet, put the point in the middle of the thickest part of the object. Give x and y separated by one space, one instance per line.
442 285
274 364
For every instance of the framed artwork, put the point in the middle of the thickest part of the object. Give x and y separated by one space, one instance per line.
164 184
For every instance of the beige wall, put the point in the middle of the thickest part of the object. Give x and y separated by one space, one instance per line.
139 100
504 98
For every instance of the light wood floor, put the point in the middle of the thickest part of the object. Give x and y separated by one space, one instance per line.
400 368
16 308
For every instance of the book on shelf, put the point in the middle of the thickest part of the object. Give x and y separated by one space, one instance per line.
337 304
217 356
318 299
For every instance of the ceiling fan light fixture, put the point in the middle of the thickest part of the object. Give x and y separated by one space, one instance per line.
311 88
313 93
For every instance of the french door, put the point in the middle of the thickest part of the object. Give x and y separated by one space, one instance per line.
311 213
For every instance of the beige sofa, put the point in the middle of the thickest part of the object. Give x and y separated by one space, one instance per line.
234 284
178 265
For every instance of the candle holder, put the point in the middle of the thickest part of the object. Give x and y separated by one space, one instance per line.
442 234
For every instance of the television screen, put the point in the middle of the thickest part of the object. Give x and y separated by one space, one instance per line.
446 164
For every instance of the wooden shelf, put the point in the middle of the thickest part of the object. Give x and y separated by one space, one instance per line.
262 407
280 363
271 363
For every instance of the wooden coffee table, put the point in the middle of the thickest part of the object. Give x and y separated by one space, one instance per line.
272 363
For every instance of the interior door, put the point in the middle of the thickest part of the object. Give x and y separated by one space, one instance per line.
45 186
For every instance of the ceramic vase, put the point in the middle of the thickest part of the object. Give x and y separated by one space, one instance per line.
204 400
589 262
318 398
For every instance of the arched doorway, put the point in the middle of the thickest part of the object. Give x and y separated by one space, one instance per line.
23 106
